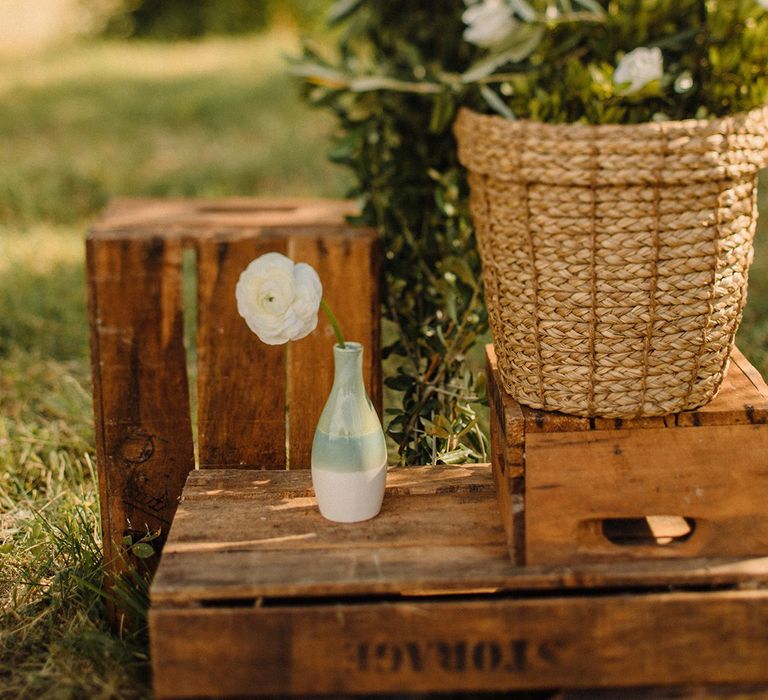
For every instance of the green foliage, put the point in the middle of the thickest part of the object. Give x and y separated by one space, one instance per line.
398 75
399 147
184 19
720 47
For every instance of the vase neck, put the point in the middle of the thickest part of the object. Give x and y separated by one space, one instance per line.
348 365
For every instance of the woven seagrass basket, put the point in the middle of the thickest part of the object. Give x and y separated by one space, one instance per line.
615 257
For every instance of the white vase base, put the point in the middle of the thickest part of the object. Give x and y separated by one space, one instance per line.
349 497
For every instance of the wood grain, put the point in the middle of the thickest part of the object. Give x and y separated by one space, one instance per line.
141 403
250 534
241 381
189 220
717 475
348 265
479 643
425 598
508 457
586 491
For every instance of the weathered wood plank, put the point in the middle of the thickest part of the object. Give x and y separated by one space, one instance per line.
247 534
141 402
480 643
508 457
241 381
229 218
348 266
697 692
401 481
716 475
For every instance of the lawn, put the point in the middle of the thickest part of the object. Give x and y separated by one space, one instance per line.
79 126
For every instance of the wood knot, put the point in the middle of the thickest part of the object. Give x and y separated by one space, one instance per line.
138 447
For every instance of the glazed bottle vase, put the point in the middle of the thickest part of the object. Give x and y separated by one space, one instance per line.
349 454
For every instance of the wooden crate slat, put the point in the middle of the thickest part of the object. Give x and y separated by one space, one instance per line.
414 481
264 549
508 451
418 603
241 381
141 397
232 217
587 493
348 266
464 645
754 376
574 484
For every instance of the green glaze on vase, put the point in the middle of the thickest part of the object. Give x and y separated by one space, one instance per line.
349 453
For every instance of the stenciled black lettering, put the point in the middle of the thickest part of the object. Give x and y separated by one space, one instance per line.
362 657
518 649
415 656
389 658
546 651
486 656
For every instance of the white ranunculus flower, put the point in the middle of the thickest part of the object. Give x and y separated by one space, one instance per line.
488 22
639 67
278 299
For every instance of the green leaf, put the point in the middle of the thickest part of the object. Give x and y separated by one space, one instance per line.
6 548
524 10
591 6
524 42
319 74
368 83
443 110
458 456
341 10
142 550
399 383
496 103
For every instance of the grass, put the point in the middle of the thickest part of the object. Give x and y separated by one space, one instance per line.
79 126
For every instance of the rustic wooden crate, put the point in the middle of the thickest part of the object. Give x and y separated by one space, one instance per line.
144 443
257 594
577 489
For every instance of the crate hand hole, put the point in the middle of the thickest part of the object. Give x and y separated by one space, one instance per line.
649 530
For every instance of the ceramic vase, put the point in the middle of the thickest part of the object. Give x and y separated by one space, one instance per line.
349 454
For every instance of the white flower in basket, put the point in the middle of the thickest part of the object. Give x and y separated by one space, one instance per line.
639 67
488 23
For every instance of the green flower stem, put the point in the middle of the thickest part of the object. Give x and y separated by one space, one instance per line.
334 323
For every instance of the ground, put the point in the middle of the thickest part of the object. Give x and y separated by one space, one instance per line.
79 125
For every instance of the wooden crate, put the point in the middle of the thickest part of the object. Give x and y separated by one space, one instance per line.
257 594
144 445
693 484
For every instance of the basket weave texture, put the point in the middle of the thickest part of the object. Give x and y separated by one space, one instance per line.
615 257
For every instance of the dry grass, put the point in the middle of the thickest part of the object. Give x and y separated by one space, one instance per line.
79 125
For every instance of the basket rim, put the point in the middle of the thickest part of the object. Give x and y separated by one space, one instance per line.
688 151
757 114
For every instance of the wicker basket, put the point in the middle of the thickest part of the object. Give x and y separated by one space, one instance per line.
615 258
